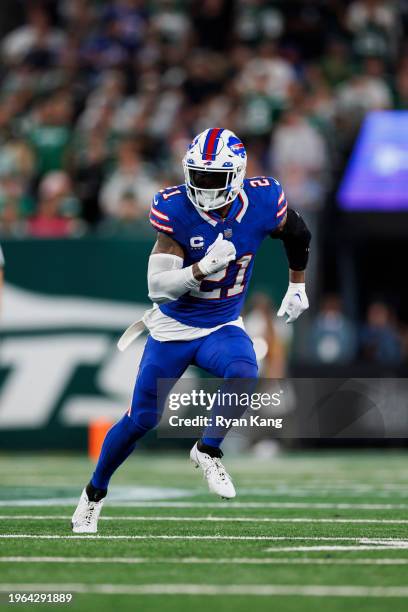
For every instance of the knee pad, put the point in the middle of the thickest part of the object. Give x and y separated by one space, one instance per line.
145 419
241 369
127 430
139 422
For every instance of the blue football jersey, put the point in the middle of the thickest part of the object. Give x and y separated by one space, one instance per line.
254 214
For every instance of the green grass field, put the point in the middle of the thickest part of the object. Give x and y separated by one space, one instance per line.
306 530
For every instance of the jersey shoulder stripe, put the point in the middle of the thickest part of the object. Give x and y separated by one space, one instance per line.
161 227
157 217
156 213
166 209
282 205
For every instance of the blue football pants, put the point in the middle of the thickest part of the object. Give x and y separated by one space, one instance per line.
226 353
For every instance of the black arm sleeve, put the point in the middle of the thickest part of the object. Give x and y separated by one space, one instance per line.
296 237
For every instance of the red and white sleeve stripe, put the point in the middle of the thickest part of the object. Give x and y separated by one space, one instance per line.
282 205
158 214
161 226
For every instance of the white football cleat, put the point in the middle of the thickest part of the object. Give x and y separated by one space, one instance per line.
219 481
85 517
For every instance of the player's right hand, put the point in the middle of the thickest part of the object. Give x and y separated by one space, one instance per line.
219 254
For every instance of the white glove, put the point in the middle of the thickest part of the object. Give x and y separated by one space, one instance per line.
218 256
294 303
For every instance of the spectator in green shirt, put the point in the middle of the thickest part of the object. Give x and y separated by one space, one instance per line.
49 134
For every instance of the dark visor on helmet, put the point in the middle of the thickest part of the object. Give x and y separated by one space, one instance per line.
209 180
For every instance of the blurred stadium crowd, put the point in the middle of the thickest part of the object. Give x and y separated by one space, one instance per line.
98 100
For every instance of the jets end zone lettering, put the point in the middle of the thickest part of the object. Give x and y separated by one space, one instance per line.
45 342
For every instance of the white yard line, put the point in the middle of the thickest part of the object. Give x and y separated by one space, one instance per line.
214 519
391 546
262 505
213 589
270 491
384 540
316 486
230 505
209 561
251 485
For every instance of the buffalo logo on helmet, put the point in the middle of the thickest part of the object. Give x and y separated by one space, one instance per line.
236 146
192 144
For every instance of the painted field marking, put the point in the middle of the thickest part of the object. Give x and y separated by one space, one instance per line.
327 548
209 561
213 589
23 536
350 492
313 485
225 505
213 519
263 505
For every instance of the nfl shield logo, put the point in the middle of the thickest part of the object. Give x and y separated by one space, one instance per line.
228 233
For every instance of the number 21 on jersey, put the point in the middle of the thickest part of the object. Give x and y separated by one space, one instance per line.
238 286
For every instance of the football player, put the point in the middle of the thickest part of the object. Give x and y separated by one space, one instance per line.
208 232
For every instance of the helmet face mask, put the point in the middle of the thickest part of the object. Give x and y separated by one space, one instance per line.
206 179
214 169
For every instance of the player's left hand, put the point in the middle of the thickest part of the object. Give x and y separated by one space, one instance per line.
294 303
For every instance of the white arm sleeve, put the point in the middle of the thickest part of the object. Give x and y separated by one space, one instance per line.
167 279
